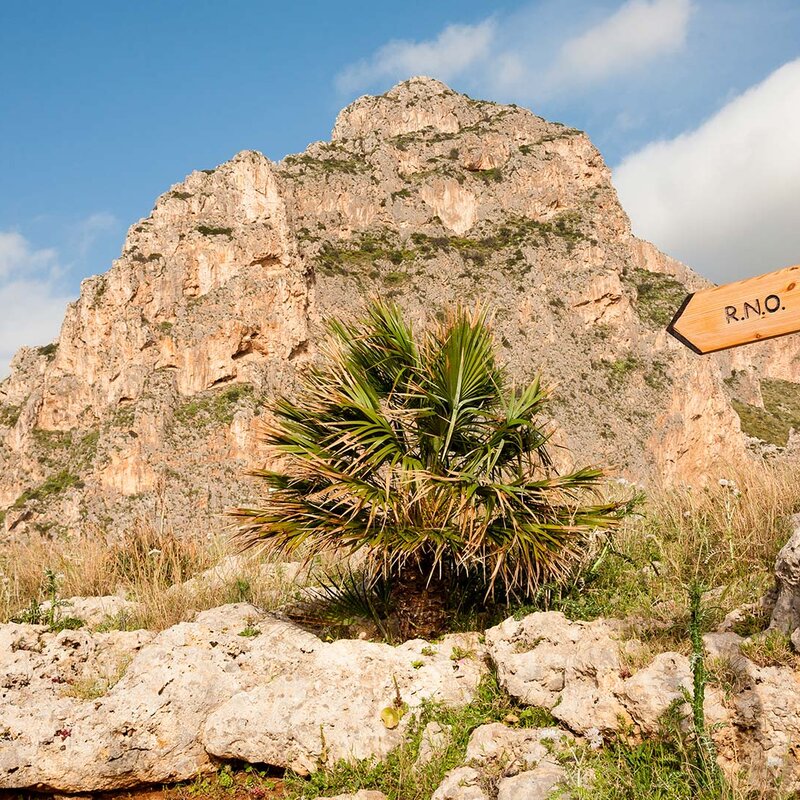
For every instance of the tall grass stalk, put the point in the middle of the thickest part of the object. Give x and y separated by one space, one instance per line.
708 771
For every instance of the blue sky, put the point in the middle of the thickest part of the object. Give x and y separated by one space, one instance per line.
104 105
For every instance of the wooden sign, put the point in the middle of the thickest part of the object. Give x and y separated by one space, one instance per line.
740 313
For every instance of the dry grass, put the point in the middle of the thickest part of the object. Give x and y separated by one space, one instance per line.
735 526
725 536
771 649
149 567
728 674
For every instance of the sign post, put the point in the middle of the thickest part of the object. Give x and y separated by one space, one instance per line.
740 313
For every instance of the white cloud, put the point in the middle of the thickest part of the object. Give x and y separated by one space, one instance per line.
725 198
638 32
31 312
90 229
16 255
514 53
31 303
455 49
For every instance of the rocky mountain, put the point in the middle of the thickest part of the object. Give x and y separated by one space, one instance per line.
149 403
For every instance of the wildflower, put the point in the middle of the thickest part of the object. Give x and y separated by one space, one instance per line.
594 738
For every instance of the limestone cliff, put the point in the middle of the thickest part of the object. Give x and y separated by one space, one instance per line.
149 402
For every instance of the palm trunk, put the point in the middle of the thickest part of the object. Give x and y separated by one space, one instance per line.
419 603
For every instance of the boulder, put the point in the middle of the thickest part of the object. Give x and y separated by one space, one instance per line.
326 705
433 740
93 611
462 783
786 613
497 747
519 762
648 693
573 669
535 784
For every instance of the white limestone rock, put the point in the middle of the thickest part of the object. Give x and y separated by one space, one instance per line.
535 784
200 690
513 749
462 783
326 705
573 669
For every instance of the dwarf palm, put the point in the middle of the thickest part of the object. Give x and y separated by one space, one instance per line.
418 452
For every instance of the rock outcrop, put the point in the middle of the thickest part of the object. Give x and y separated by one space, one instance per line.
582 673
90 712
148 405
82 711
786 611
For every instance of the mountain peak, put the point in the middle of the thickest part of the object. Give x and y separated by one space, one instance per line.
426 196
412 105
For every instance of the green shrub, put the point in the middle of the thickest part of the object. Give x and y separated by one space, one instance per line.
417 452
370 247
48 350
619 369
55 484
348 166
658 296
210 230
215 408
9 415
493 175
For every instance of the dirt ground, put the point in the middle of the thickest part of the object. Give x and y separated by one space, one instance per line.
225 786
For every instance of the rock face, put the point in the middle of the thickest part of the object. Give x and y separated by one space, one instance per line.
88 712
786 613
149 403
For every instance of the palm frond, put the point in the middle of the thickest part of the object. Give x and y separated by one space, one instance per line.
417 452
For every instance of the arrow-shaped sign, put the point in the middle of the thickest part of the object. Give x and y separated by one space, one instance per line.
740 313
